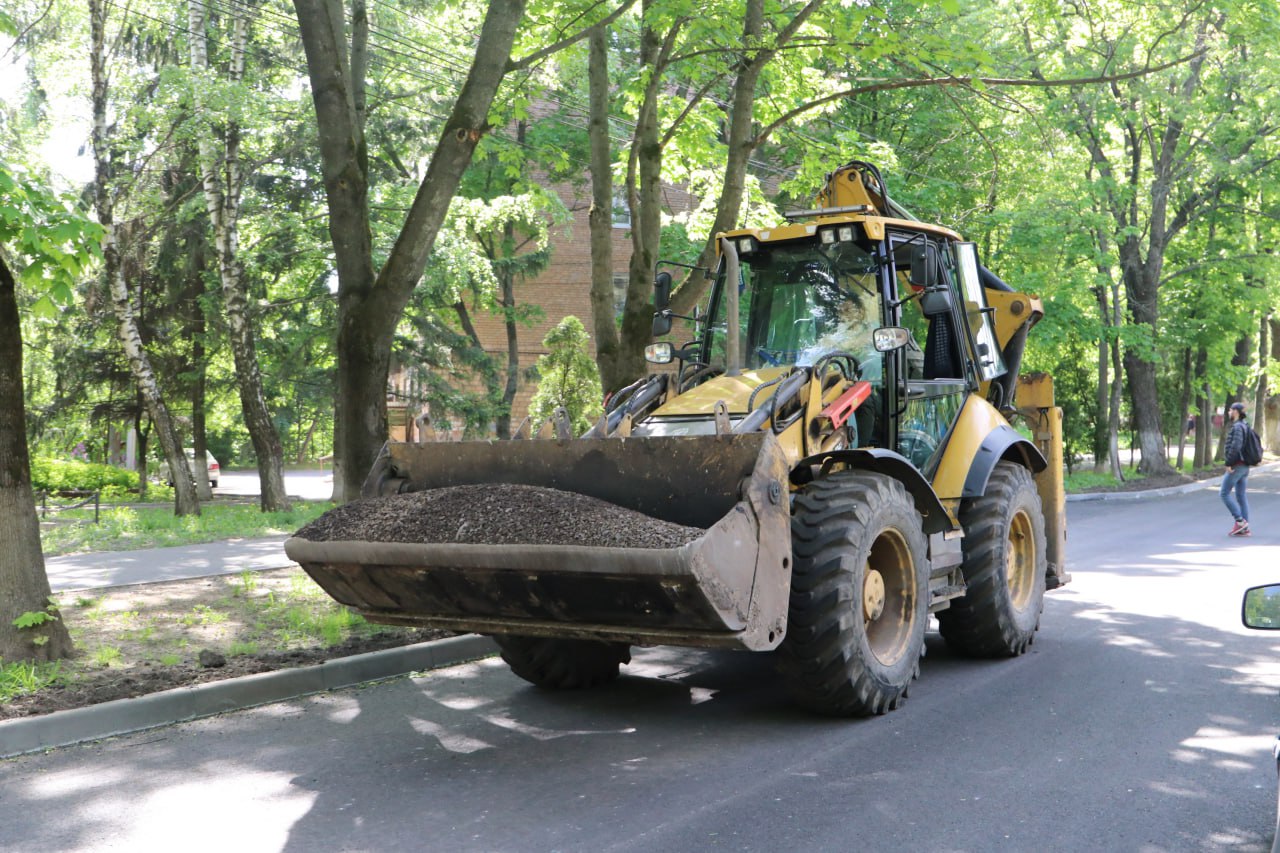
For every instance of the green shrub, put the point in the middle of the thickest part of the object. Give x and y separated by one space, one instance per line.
57 475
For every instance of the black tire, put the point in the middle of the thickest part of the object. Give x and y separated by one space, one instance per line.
859 595
563 664
1004 569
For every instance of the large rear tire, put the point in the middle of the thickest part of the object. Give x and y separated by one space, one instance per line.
859 595
1004 569
563 664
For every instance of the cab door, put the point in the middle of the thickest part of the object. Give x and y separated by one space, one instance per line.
937 372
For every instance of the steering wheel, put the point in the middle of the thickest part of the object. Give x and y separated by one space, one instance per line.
917 445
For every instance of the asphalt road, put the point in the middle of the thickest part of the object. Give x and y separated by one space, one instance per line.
308 485
1141 721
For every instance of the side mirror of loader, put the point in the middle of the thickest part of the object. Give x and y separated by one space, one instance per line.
661 304
936 301
661 352
890 338
924 265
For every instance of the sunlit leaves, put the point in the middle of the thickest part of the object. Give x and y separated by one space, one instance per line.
49 236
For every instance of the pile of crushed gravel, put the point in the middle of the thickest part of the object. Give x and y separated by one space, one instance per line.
496 514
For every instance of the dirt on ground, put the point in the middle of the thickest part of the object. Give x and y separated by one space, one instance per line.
135 640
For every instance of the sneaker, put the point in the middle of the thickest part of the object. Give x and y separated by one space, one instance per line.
1240 528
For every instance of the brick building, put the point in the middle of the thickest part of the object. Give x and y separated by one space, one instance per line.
563 289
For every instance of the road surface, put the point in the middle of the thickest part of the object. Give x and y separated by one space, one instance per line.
1140 721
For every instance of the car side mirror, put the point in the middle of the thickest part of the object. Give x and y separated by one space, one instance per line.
1261 608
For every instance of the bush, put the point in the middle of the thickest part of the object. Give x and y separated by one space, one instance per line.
60 475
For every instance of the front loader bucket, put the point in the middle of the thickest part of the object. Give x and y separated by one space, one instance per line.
728 587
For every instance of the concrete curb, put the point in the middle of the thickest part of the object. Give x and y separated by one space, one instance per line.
1211 483
125 716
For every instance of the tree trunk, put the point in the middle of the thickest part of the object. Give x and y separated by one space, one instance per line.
644 197
513 354
741 141
1184 404
369 308
600 218
24 584
1204 411
1260 395
186 500
1140 279
222 193
1113 413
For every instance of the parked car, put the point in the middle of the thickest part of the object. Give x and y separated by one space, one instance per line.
1261 610
210 463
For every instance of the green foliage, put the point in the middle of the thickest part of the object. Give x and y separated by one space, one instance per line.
568 377
35 618
26 677
53 475
50 233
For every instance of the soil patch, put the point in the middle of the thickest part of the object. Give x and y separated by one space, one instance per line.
141 639
497 514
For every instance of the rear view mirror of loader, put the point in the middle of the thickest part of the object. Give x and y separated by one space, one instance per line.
924 265
661 304
936 301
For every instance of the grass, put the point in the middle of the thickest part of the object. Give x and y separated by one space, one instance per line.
23 677
128 528
141 628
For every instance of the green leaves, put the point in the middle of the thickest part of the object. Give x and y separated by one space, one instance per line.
49 236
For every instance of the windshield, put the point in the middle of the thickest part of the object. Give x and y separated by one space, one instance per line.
800 302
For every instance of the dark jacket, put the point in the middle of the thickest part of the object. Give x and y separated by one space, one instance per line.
1235 444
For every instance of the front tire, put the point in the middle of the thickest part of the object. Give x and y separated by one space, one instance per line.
1004 569
859 595
562 664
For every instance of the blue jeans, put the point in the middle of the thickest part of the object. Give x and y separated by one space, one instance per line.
1237 503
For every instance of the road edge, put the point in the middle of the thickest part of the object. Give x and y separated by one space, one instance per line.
25 735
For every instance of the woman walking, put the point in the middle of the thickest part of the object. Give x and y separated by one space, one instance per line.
1233 484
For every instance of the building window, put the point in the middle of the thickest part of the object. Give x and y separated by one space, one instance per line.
620 280
621 212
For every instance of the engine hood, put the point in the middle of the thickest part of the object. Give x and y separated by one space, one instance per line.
735 391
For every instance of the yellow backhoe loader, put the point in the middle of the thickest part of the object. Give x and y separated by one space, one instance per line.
837 441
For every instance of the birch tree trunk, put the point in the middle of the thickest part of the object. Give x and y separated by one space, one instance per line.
222 193
24 584
186 501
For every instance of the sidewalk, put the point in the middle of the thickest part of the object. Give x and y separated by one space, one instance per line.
155 565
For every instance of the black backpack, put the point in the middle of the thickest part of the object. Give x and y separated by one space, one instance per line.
1251 447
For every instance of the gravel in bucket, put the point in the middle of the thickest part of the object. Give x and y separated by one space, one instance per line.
496 514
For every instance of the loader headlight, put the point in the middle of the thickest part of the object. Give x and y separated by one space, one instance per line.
845 232
746 245
827 236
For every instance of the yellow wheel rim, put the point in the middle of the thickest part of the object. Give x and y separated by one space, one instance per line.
1020 560
889 597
